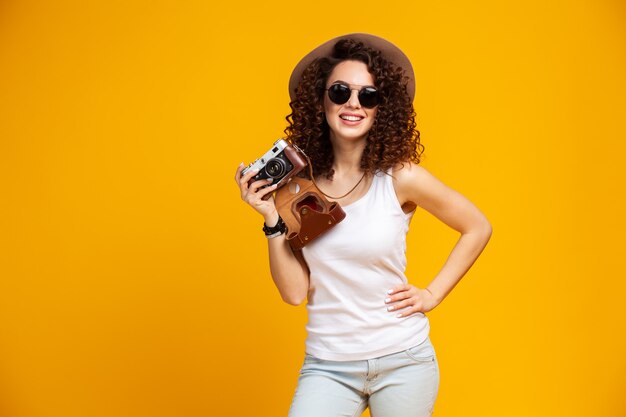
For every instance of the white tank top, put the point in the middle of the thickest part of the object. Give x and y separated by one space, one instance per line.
352 266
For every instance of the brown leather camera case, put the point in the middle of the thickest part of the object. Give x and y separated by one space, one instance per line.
305 211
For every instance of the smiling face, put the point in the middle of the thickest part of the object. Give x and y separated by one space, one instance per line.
349 121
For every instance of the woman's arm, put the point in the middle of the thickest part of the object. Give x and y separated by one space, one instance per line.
289 271
416 186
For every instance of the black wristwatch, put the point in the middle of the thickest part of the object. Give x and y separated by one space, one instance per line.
279 229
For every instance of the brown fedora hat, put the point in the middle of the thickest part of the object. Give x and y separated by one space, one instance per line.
389 50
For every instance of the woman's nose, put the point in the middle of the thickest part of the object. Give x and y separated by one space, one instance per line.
354 99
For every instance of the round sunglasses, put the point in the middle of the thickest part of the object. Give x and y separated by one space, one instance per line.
340 93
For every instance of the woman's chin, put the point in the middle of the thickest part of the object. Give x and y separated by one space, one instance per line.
351 134
350 137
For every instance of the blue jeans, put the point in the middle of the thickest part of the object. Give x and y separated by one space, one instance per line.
403 384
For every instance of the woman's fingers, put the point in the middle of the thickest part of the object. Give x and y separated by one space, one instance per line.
243 181
404 300
399 288
238 173
408 311
253 194
400 305
257 184
267 190
405 308
399 293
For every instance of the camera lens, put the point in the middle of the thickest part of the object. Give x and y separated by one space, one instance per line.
275 167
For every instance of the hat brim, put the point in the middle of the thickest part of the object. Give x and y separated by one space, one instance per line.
389 50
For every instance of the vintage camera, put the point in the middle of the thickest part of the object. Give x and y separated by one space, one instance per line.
280 163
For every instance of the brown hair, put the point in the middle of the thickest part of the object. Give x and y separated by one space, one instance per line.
393 137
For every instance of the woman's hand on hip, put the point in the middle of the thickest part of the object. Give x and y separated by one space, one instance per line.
408 299
254 195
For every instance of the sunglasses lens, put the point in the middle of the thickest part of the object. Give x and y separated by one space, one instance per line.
368 97
338 93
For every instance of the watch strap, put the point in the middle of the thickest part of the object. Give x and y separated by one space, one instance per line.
279 228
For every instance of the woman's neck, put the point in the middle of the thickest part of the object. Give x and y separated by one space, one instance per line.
347 156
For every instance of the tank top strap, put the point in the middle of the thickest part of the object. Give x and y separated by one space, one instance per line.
384 193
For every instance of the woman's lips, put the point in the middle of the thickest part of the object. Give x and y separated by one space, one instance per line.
350 123
351 119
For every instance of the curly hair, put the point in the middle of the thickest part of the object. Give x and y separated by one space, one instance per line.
393 137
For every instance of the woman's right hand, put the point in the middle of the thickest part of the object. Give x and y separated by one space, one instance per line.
253 195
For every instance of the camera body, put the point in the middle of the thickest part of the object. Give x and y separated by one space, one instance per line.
280 163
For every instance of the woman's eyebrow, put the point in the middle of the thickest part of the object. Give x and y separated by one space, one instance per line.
347 83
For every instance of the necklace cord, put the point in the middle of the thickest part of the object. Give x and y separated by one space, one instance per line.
313 178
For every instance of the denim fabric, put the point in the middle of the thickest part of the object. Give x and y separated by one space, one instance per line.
403 384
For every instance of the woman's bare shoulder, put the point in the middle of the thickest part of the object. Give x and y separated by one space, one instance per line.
413 182
408 174
407 170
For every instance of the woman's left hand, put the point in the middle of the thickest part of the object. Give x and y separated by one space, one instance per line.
408 299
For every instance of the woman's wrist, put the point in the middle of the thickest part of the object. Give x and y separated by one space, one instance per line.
275 231
436 295
271 219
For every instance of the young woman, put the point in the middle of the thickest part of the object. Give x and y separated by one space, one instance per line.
367 336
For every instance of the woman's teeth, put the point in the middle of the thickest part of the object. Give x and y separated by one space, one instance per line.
351 118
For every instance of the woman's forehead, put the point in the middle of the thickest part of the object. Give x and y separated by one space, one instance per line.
353 72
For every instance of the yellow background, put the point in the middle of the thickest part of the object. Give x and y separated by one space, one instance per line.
134 281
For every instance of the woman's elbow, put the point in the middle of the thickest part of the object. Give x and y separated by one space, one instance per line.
294 299
481 230
487 229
